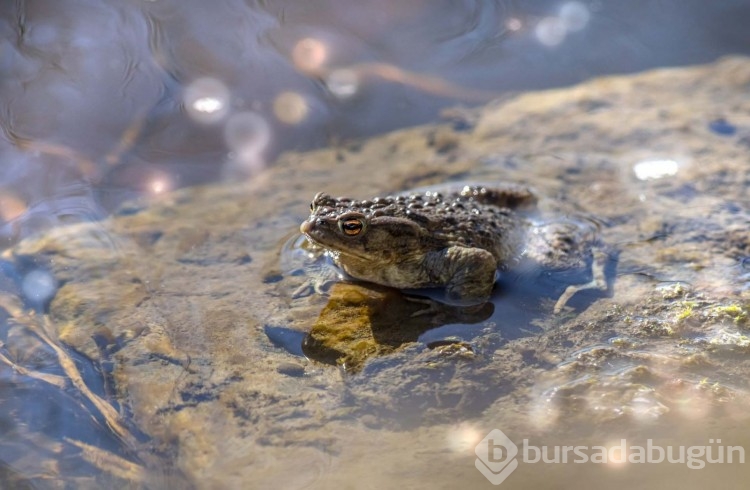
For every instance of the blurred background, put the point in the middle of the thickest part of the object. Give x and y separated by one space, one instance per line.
107 100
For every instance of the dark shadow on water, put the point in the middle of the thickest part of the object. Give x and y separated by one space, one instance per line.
286 338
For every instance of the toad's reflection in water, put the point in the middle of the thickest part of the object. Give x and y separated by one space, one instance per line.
361 321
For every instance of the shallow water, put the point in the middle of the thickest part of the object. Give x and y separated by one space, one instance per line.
103 101
184 325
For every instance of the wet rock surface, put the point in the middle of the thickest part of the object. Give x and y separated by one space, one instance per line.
188 297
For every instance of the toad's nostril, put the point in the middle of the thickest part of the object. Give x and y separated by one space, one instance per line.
305 227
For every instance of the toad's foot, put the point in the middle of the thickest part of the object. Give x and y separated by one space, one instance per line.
311 286
598 280
320 280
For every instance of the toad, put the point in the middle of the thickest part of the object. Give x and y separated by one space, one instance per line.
458 240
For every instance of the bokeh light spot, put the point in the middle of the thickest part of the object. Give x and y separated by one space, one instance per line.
343 83
247 134
11 206
158 186
290 107
207 105
463 438
575 16
550 31
38 286
309 55
514 24
655 169
206 100
159 183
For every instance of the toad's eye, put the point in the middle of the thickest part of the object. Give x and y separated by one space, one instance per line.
312 207
351 226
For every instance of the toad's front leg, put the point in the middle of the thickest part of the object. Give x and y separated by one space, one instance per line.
467 273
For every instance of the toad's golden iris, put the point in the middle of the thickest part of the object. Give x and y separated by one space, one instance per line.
351 226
